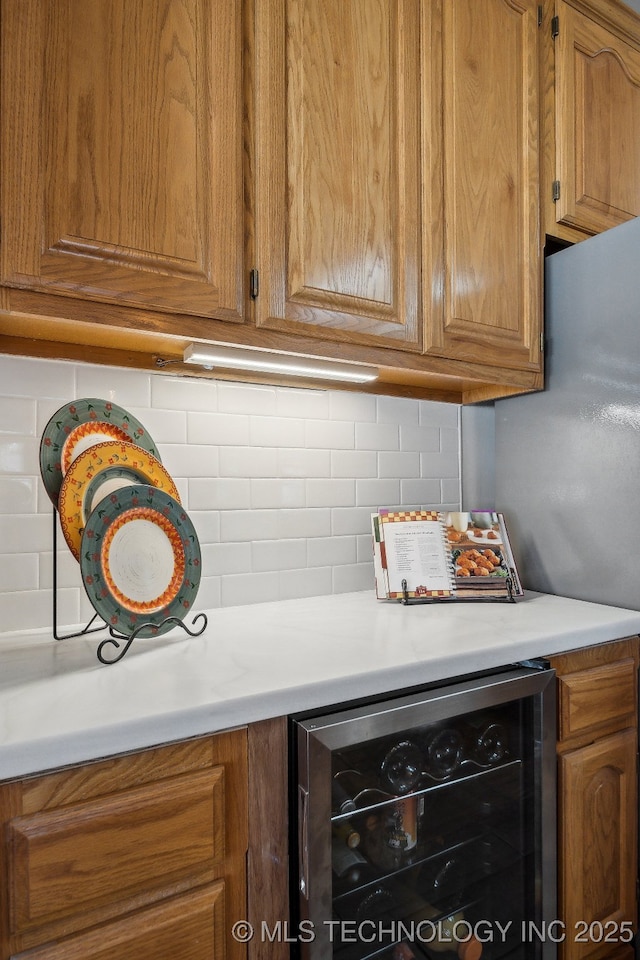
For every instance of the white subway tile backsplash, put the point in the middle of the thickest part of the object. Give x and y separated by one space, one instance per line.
19 494
377 493
218 428
183 393
331 492
37 378
275 493
330 434
377 436
247 398
353 463
219 493
279 482
398 464
18 416
276 432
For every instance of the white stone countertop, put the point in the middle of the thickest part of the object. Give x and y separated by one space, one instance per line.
60 705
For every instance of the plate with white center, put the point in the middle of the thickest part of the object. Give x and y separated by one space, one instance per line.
82 424
140 559
105 468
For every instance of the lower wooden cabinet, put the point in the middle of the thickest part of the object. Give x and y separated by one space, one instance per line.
598 800
140 857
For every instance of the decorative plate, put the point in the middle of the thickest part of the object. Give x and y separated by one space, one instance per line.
105 468
78 426
140 559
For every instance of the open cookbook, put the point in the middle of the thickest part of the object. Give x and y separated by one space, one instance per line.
432 555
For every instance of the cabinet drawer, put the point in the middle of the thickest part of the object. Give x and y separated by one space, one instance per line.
599 696
118 852
190 927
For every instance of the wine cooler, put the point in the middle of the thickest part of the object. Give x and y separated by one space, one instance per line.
426 823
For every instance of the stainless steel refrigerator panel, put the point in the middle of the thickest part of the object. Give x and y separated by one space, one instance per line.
568 458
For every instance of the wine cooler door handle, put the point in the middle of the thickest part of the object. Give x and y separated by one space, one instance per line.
303 840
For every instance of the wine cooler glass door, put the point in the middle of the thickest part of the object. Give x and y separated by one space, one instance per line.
426 824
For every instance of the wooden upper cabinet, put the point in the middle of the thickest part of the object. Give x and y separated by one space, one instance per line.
338 214
122 152
486 269
597 118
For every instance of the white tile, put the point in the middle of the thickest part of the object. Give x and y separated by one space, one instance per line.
330 492
304 523
248 462
420 439
377 436
219 493
364 551
278 554
222 559
190 460
358 576
330 551
304 583
356 407
124 387
246 398
423 492
449 440
165 426
397 410
18 416
354 463
246 525
296 402
183 393
19 572
208 594
440 464
19 495
277 492
31 609
218 428
437 414
346 521
377 493
26 533
397 464
207 524
67 571
451 492
330 434
249 588
304 463
19 455
21 377
276 432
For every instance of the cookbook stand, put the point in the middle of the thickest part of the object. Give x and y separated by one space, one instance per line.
510 597
115 638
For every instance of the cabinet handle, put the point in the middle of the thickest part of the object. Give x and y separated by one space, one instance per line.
303 841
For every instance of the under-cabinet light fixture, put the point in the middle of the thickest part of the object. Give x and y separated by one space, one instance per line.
210 355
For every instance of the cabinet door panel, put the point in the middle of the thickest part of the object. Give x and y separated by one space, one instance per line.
597 124
122 152
190 927
598 815
337 161
488 306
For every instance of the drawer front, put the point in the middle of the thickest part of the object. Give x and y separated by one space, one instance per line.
116 853
600 696
189 927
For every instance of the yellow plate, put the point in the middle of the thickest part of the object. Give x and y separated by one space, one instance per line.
99 472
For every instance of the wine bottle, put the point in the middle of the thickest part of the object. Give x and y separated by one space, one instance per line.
401 767
487 741
346 833
444 752
346 862
346 785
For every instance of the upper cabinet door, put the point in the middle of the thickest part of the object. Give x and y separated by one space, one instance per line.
597 81
122 152
486 291
337 163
